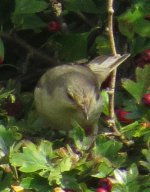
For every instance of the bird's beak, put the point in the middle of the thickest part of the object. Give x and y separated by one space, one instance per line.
86 113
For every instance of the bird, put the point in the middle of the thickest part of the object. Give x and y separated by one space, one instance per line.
71 93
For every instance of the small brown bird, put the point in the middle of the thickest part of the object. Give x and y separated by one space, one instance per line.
70 93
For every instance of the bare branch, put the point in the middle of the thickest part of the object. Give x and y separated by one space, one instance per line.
111 92
33 51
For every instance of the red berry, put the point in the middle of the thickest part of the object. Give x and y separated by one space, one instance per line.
101 189
147 17
1 60
146 99
53 26
105 183
121 115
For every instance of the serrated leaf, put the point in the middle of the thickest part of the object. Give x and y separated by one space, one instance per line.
141 85
103 170
31 159
132 21
55 176
82 142
65 164
37 183
7 137
29 6
1 50
108 149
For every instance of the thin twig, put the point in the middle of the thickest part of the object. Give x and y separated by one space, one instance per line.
111 93
114 52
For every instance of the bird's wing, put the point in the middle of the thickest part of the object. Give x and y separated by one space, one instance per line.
103 65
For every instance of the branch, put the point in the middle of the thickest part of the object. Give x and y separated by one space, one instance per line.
113 74
27 47
111 93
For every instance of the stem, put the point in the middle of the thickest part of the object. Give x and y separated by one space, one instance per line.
111 93
114 52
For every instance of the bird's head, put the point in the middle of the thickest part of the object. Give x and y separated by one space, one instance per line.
85 97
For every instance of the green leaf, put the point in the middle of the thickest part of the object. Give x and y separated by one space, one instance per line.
128 179
109 149
87 6
31 159
132 173
69 181
1 50
5 94
139 44
103 170
7 137
28 21
140 86
73 46
37 183
120 176
146 163
102 45
65 164
142 27
6 180
82 142
55 176
131 130
132 21
29 6
105 99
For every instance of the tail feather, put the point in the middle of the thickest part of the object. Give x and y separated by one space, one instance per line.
103 65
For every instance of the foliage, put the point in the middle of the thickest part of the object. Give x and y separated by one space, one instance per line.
34 158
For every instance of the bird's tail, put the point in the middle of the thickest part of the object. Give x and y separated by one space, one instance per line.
103 65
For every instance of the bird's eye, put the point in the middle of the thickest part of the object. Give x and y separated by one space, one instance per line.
70 97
